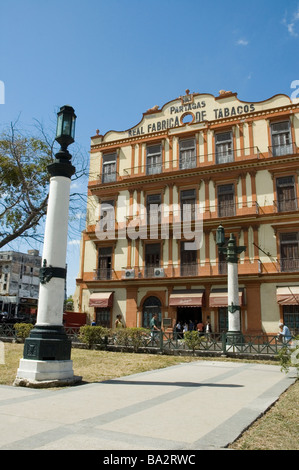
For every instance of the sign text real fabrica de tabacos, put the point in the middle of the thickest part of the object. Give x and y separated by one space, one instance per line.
199 116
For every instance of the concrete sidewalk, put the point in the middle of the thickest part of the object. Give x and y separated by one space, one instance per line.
198 405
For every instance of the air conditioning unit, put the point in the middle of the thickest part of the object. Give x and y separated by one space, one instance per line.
129 274
159 272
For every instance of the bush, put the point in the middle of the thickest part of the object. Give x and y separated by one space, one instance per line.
193 340
23 330
289 355
92 335
131 337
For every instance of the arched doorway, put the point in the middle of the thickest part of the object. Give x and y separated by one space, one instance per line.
151 305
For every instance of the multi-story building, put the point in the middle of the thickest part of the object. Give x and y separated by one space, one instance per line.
19 282
234 163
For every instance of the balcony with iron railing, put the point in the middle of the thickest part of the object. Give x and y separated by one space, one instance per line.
286 204
289 265
191 269
283 149
108 177
196 161
164 214
200 269
164 218
103 274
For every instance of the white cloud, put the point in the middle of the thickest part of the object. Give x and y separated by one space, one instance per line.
74 242
292 23
242 42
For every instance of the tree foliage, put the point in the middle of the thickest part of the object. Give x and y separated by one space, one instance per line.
25 183
289 355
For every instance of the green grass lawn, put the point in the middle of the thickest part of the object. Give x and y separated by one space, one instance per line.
278 429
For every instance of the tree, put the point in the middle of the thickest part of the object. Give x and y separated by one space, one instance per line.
289 355
25 183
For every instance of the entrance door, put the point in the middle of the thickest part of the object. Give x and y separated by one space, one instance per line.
151 306
185 314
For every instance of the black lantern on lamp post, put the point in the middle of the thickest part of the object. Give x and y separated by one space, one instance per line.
66 122
220 236
65 136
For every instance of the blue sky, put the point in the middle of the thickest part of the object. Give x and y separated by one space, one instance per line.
113 59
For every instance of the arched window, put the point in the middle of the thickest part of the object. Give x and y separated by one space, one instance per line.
150 306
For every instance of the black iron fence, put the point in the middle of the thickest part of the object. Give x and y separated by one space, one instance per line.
215 344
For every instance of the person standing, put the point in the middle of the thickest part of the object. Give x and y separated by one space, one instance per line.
284 333
208 330
118 322
200 328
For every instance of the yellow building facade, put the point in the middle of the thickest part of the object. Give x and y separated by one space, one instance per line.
195 163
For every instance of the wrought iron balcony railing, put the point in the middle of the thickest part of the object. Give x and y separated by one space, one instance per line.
289 264
217 158
286 205
103 274
283 149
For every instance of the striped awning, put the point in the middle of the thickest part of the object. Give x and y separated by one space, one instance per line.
101 299
186 298
219 298
288 295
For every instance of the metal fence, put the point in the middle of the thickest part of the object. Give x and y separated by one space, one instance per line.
216 344
212 344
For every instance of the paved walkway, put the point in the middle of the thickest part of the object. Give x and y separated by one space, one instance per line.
199 405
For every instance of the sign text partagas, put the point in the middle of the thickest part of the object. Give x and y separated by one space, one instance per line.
199 111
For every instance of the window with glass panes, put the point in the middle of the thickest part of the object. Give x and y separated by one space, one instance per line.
103 317
222 263
188 261
109 168
105 263
222 319
289 251
226 200
286 194
153 208
224 147
152 258
187 154
107 217
153 159
188 204
291 316
281 138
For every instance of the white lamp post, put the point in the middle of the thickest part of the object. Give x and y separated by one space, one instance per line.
234 310
47 351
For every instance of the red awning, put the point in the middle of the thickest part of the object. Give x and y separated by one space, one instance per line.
186 299
219 298
101 299
287 295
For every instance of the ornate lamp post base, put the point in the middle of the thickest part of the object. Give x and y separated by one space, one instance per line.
44 374
46 360
235 338
47 343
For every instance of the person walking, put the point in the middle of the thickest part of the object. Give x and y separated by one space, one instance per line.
154 327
